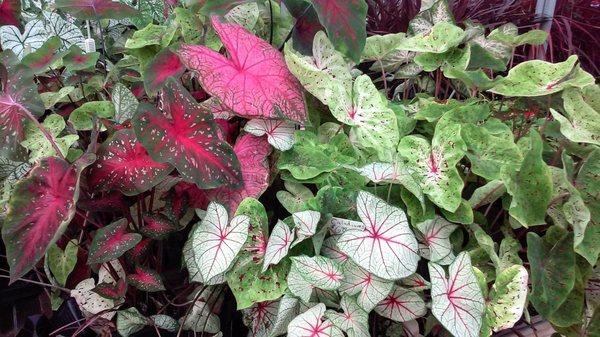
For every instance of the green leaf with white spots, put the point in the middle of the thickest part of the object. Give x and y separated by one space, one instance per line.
37 143
439 11
82 118
51 98
295 197
61 262
541 78
581 123
245 15
130 321
507 298
124 102
439 39
378 47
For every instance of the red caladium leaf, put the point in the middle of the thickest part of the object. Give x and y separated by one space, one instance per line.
252 152
10 11
157 226
96 9
164 65
111 242
124 164
39 210
19 100
184 134
306 26
40 59
140 249
344 21
254 82
146 279
110 290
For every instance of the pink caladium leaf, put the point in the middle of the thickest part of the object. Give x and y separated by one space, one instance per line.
371 289
216 242
319 271
280 134
146 280
254 82
19 99
252 153
96 9
457 301
386 247
124 164
39 210
312 324
112 241
10 11
401 305
165 64
185 135
435 235
278 245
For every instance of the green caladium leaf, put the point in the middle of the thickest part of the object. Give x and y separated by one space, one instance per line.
164 322
572 309
435 165
82 118
378 47
61 262
439 11
487 193
540 78
507 298
130 321
581 122
486 243
473 79
76 59
37 143
509 34
247 280
52 98
589 186
439 39
552 271
151 35
295 197
463 214
111 242
480 57
245 15
124 102
530 185
190 24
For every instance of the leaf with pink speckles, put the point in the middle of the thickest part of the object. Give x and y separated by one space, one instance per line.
39 210
124 164
146 279
112 241
252 152
185 135
254 82
401 305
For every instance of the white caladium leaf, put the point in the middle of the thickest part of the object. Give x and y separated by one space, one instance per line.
393 173
191 263
260 317
401 305
280 134
330 249
306 224
90 302
457 301
298 286
436 239
201 319
68 32
130 321
339 225
386 247
319 271
312 324
371 289
278 245
217 241
33 37
507 298
416 282
124 101
354 321
289 308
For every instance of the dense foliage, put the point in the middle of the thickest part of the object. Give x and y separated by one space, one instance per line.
166 164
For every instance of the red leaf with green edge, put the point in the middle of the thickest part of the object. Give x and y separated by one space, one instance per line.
146 280
112 241
252 152
48 53
184 134
157 226
306 26
124 164
96 9
254 82
165 64
10 11
141 249
110 290
76 59
219 6
344 21
39 210
19 97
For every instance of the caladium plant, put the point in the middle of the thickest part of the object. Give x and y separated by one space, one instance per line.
201 158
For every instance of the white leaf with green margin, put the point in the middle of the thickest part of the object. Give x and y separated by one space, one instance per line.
61 262
439 39
416 282
330 249
90 302
436 238
306 224
431 13
312 324
130 321
354 321
370 288
541 78
394 173
191 263
37 143
245 15
298 286
33 37
124 102
280 134
401 305
319 271
340 225
507 298
82 118
457 301
201 319
386 246
164 322
582 121
68 32
279 244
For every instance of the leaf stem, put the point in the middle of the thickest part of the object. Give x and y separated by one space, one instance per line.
39 283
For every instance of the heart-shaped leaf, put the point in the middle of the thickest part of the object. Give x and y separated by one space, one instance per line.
76 59
33 37
61 262
124 164
157 226
90 302
278 245
394 173
581 121
254 82
146 279
439 39
165 64
39 210
306 224
371 289
184 134
40 59
354 321
312 324
436 239
217 241
111 291
68 32
457 301
401 305
111 242
130 321
319 271
280 134
507 298
96 9
386 246
294 197
124 101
